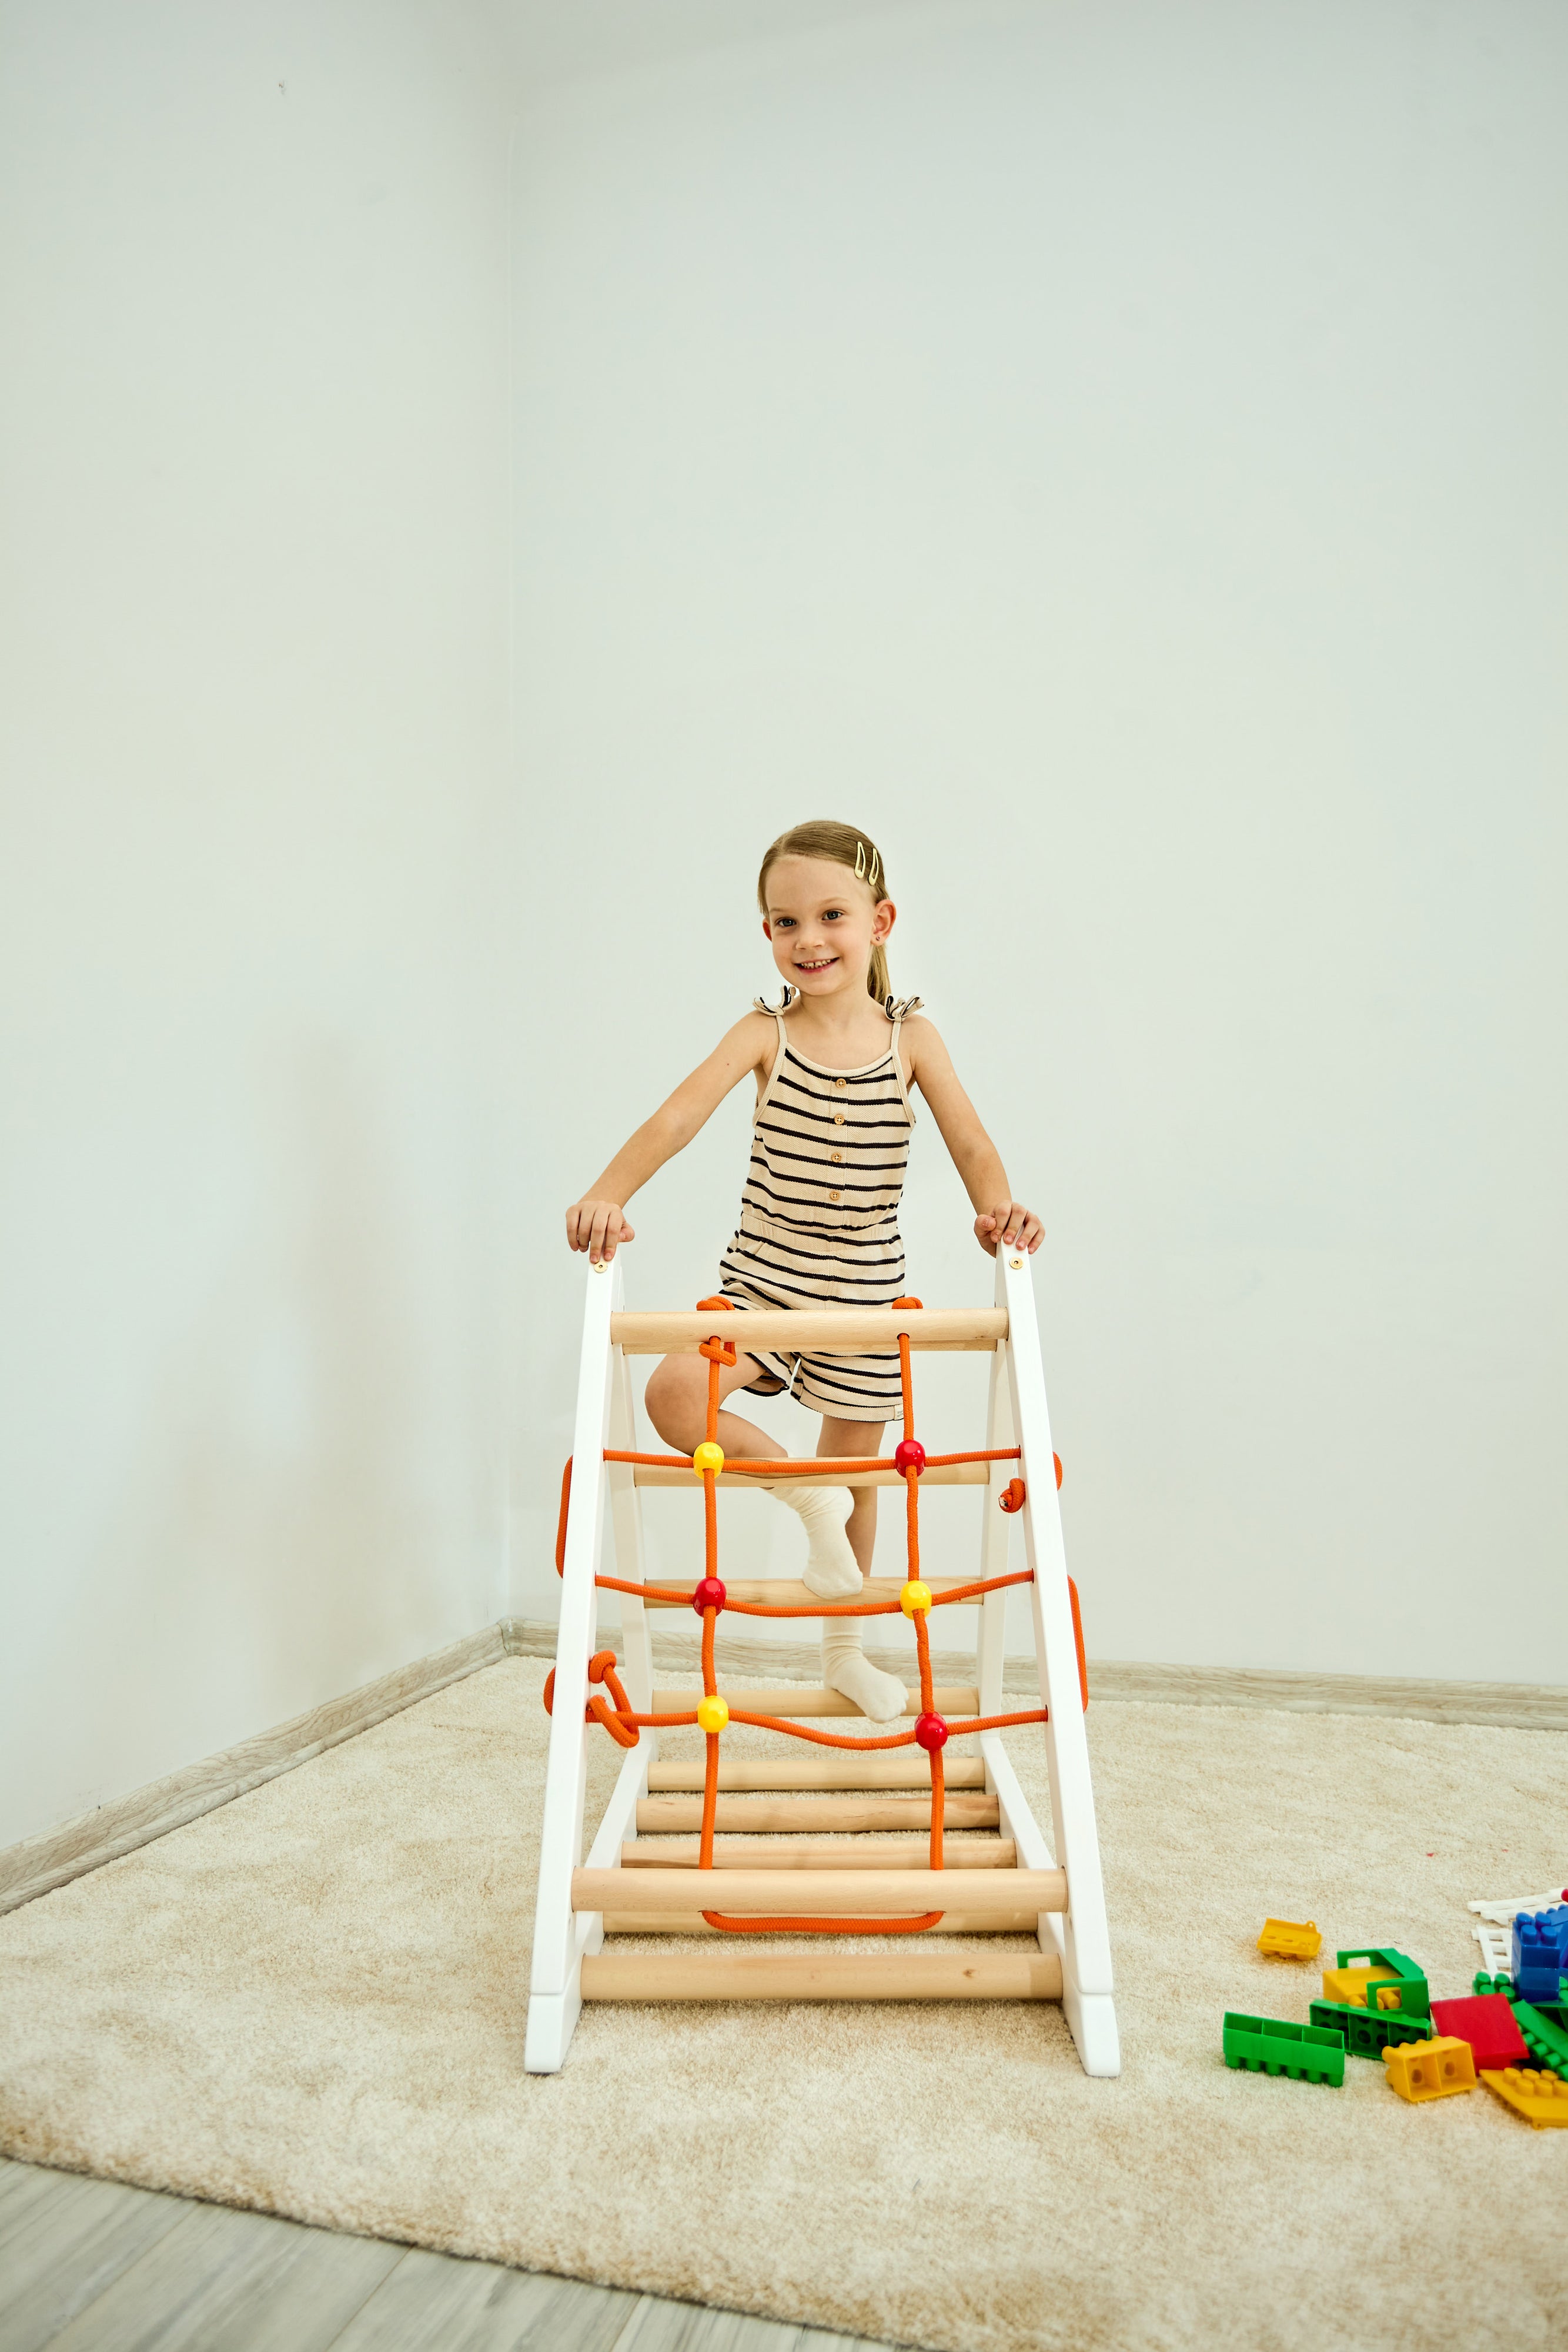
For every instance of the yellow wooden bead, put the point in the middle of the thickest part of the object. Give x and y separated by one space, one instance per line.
914 1596
713 1714
708 1457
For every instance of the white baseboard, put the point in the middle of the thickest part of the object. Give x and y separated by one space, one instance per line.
40 1864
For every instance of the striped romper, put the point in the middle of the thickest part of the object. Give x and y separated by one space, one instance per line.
819 1217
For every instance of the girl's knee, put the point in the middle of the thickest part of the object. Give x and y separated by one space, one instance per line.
672 1395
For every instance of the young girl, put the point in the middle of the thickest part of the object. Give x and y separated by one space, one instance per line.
833 1063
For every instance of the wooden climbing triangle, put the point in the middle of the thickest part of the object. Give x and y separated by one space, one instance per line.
646 1874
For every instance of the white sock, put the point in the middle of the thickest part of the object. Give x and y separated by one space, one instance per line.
847 1670
831 1569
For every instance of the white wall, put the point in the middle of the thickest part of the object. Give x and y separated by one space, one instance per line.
1117 454
254 428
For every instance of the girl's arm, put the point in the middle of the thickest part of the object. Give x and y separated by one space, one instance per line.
1001 1221
595 1224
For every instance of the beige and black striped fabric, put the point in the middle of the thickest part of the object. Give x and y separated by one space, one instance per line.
819 1218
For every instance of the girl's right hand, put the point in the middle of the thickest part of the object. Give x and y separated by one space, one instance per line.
598 1227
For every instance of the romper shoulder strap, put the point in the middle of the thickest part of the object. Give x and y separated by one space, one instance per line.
897 1008
760 1004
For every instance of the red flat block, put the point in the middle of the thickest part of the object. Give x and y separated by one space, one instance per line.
1485 2020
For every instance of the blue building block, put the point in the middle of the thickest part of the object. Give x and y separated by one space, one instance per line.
1540 1953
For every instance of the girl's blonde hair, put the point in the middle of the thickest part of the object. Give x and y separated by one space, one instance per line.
845 846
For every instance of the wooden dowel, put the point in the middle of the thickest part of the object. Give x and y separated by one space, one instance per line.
692 1923
816 1854
797 1699
825 1331
814 1769
786 1592
961 1810
829 1894
941 1474
904 1974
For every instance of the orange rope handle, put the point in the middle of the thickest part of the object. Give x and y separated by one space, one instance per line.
1078 1638
823 1926
938 1805
561 1522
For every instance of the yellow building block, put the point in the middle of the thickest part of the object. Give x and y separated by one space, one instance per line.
1430 2070
1291 1939
1351 1984
1540 2098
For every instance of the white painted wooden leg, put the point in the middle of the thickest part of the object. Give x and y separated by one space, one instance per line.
557 1949
1082 1937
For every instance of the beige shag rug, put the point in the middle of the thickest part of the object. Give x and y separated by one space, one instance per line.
312 2002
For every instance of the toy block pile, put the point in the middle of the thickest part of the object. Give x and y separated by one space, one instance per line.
1510 2033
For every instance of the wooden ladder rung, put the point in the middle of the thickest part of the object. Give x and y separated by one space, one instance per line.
941 1474
844 1771
817 1853
784 1592
796 1975
826 1330
792 1699
964 1810
819 1894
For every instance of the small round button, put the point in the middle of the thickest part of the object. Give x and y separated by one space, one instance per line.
841 1082
835 1155
835 1196
838 1118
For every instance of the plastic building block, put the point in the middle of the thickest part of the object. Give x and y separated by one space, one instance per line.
1540 1953
1487 2022
1363 1988
1540 2098
1547 2042
1272 2045
1555 2012
1289 1939
1368 2032
1430 2070
1390 1980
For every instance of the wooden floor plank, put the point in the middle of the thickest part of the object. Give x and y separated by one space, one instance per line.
221 2281
660 2326
435 2303
64 2239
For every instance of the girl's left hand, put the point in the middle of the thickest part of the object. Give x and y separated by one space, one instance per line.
1008 1225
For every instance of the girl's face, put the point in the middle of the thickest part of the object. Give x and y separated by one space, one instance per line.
822 925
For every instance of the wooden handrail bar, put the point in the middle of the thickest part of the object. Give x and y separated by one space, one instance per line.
826 1330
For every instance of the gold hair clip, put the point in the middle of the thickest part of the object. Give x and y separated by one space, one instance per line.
862 873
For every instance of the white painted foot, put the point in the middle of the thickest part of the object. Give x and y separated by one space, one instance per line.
552 2017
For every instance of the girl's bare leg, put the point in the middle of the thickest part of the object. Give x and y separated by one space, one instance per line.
845 1667
677 1407
676 1400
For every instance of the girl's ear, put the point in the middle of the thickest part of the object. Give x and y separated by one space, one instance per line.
766 929
883 920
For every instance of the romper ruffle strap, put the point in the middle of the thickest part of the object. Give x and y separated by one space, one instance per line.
898 1009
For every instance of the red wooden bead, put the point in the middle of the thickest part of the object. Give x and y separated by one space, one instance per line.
710 1595
931 1732
909 1454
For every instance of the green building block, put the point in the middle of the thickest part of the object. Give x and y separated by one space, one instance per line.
1368 2032
1544 2041
1272 2045
1554 2013
1410 1982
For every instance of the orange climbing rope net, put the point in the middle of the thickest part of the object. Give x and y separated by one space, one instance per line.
931 1731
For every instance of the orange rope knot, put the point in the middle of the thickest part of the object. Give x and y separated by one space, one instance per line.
717 1351
1013 1495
